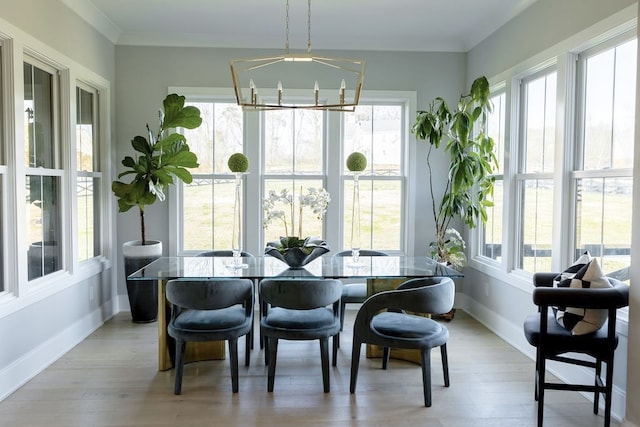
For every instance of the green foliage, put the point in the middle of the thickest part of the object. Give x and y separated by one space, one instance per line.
160 159
468 188
356 162
238 162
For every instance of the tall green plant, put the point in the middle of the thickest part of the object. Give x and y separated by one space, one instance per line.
159 159
468 187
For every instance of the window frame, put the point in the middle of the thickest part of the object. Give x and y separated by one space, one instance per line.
576 169
563 56
96 174
333 175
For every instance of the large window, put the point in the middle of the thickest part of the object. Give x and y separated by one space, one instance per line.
534 180
377 132
208 201
89 176
292 151
43 173
604 161
491 234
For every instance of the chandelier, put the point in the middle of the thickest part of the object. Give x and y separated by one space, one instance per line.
279 82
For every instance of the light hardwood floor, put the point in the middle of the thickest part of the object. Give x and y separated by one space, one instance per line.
111 379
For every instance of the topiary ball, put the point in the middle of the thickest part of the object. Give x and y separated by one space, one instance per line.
238 162
356 162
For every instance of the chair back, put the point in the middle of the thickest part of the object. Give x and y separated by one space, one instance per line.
224 253
428 295
433 295
300 294
613 298
211 294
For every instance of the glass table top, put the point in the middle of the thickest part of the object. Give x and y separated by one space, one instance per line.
260 267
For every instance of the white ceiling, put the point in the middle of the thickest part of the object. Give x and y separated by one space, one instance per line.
406 25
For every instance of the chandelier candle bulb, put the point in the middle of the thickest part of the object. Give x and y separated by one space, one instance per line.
279 93
342 88
316 90
252 86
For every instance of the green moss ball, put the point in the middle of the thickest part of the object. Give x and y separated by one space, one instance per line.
238 162
356 162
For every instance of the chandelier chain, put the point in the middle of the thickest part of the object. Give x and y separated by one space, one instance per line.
309 27
286 45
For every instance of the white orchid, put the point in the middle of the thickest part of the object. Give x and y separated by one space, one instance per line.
315 199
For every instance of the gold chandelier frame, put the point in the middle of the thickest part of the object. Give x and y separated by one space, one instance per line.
336 87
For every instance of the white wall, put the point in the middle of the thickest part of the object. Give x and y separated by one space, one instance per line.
633 375
501 300
40 325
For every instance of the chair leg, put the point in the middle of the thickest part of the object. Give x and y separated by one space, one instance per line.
324 358
342 308
355 362
609 389
180 346
540 386
426 375
233 362
261 313
336 344
538 357
247 348
272 344
445 364
596 380
386 353
264 341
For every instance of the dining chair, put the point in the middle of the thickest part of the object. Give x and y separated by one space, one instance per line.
210 310
354 293
229 253
388 319
300 309
557 343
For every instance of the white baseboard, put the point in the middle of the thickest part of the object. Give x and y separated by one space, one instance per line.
31 364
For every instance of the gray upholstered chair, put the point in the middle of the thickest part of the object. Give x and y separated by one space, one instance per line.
554 342
210 310
298 309
354 293
395 328
229 253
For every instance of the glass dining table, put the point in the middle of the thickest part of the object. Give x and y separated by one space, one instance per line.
381 273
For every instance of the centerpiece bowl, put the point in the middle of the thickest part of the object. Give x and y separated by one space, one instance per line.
296 252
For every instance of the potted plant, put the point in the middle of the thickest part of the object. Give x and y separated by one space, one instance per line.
160 160
468 187
293 249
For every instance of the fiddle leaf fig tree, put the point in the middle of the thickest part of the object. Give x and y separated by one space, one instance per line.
467 189
160 159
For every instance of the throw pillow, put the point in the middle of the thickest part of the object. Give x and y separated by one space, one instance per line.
581 321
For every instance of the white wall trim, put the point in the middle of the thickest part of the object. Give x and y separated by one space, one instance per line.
18 373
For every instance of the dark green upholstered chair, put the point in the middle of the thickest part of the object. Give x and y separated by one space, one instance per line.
354 293
554 342
210 310
300 309
384 320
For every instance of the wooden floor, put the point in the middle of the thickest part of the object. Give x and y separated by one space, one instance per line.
111 379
